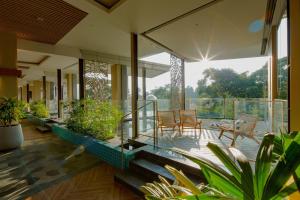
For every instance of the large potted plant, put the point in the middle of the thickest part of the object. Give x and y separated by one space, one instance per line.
11 135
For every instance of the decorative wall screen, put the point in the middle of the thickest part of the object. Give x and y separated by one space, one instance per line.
96 80
177 82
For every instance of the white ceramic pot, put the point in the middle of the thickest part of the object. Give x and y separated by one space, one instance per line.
11 137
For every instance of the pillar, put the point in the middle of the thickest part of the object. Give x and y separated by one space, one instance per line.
8 65
70 87
36 90
119 84
274 58
48 92
294 61
44 90
134 83
74 83
27 93
144 99
24 92
21 93
81 79
124 83
274 78
116 84
59 93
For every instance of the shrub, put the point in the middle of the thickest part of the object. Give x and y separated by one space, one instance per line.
39 109
11 111
95 118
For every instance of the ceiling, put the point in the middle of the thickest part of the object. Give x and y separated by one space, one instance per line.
39 20
224 30
221 29
228 29
33 69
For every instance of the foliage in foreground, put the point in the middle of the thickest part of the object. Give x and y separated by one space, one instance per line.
11 111
39 109
276 162
95 118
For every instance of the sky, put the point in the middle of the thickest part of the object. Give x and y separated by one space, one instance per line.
193 71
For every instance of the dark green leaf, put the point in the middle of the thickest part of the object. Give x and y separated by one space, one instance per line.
226 160
283 170
263 164
215 175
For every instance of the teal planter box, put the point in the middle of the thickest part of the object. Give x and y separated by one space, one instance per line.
36 120
104 150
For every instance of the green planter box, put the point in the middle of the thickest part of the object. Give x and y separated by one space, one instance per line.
104 150
36 120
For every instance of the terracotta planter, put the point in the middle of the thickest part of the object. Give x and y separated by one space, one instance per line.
11 137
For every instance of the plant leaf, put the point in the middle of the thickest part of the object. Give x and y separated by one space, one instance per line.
263 164
216 176
247 174
290 189
284 169
226 160
180 177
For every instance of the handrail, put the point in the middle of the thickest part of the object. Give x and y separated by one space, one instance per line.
130 113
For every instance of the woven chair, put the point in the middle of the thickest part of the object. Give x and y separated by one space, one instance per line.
243 127
167 120
188 120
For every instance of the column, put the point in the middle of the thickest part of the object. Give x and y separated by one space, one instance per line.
294 59
70 87
27 93
44 90
144 98
59 93
273 79
36 90
74 83
119 84
24 92
134 83
116 84
124 84
48 92
8 65
81 79
21 93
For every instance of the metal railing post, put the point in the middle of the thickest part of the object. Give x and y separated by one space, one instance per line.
154 124
122 143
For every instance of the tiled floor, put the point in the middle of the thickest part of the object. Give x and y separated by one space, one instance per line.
48 168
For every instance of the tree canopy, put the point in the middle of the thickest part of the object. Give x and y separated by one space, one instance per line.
228 83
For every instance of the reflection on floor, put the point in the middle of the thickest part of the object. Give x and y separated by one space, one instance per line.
45 161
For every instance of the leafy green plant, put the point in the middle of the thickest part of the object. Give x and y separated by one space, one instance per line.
268 180
281 144
96 118
11 111
39 109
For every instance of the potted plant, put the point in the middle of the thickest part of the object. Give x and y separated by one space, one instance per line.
11 135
